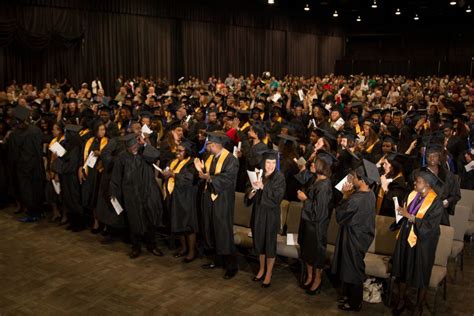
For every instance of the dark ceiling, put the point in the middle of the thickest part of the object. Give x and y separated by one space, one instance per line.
434 12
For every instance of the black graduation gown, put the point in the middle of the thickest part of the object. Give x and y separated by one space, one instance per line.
49 193
251 159
265 221
182 202
218 215
66 167
26 147
289 168
133 184
414 265
356 219
449 190
90 187
315 217
166 155
375 154
396 188
105 211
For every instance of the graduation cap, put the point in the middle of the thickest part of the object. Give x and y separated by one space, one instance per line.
173 125
368 172
218 137
373 124
434 148
242 114
104 107
385 111
129 140
397 112
430 178
349 135
324 110
288 138
397 157
270 154
389 139
189 146
71 100
327 135
448 124
327 157
259 129
374 111
73 128
146 114
21 113
356 105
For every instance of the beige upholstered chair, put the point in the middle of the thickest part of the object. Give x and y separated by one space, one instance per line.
460 223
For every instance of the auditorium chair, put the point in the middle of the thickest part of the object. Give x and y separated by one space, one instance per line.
467 199
460 223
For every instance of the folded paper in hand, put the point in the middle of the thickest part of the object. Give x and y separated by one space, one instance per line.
341 183
56 186
254 176
469 166
116 204
58 149
157 168
91 160
146 130
397 216
291 239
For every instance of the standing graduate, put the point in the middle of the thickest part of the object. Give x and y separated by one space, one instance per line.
26 152
217 203
318 203
89 177
417 239
266 196
180 189
66 167
356 218
133 184
52 196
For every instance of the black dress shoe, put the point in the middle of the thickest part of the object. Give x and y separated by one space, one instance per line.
346 307
306 286
156 252
229 274
134 254
69 227
95 231
188 260
208 266
266 285
315 291
255 279
399 308
342 300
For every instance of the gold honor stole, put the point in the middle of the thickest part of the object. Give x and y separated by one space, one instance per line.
425 205
87 148
176 167
218 169
246 125
371 147
357 129
53 141
381 194
84 132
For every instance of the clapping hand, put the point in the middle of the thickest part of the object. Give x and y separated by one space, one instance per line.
301 196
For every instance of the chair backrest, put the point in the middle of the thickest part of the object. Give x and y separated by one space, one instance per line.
283 214
445 244
294 217
467 199
333 228
385 239
460 221
242 213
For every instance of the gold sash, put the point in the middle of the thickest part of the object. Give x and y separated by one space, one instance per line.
103 143
176 167
371 147
84 132
218 169
381 194
246 125
425 205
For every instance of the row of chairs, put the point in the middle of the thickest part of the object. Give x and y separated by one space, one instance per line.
377 260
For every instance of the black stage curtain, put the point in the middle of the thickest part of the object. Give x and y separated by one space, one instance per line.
46 40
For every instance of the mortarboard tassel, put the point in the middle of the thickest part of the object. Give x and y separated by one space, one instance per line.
278 161
203 149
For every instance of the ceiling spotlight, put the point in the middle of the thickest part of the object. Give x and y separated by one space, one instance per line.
335 14
358 19
374 5
468 9
271 1
398 12
416 18
452 2
306 8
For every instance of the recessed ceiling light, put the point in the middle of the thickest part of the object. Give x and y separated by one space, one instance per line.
358 19
468 9
335 14
452 2
271 1
374 5
398 12
416 18
306 8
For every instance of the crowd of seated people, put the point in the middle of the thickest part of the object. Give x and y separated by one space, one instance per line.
159 156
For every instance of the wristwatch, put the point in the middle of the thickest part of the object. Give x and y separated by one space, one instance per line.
253 191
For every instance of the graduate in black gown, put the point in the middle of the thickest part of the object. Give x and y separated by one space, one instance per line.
417 239
448 186
266 196
217 202
318 204
52 196
90 177
26 153
356 218
180 189
133 184
66 167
